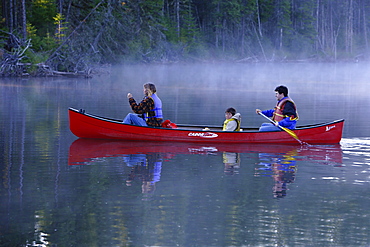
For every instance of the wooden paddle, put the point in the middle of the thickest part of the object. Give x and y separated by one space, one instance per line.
290 132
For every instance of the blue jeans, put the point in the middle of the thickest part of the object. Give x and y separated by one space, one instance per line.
134 119
135 159
269 127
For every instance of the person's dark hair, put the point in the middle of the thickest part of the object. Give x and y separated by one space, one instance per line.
231 110
282 89
151 88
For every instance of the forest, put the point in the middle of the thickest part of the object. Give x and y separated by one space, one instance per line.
52 37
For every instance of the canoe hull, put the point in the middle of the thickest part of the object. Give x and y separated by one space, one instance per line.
86 125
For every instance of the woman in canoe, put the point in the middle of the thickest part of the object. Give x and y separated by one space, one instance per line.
149 111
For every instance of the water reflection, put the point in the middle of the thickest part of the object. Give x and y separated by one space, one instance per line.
84 151
146 168
145 159
40 236
183 194
231 162
194 178
281 167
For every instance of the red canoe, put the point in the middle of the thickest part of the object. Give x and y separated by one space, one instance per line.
85 125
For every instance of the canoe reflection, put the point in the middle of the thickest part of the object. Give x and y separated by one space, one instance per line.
83 151
145 158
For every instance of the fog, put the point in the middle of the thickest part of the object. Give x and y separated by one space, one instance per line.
200 93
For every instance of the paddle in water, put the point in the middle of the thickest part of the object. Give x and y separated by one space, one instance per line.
290 132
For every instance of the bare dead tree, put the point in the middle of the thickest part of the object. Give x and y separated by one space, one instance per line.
11 64
23 19
52 56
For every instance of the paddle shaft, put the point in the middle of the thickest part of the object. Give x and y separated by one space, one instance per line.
263 115
291 133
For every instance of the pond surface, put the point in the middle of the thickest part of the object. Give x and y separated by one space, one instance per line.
57 190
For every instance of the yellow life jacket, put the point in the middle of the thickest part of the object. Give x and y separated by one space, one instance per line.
229 120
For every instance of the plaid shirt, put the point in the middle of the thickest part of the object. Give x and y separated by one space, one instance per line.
146 106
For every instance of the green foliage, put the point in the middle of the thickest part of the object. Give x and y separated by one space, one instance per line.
170 30
97 31
304 23
41 14
42 44
266 10
34 58
49 42
189 33
31 34
283 16
42 18
61 26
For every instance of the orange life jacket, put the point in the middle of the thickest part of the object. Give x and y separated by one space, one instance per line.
279 108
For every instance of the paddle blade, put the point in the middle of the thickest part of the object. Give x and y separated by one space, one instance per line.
290 132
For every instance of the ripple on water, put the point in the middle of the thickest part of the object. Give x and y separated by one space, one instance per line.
356 153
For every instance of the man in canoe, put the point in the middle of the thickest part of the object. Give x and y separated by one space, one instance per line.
149 111
233 119
284 114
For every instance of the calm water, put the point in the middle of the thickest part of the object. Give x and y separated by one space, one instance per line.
57 190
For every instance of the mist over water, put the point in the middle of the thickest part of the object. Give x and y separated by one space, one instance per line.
199 94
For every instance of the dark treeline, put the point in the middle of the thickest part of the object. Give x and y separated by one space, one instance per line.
74 35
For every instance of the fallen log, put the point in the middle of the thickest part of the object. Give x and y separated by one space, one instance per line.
45 70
